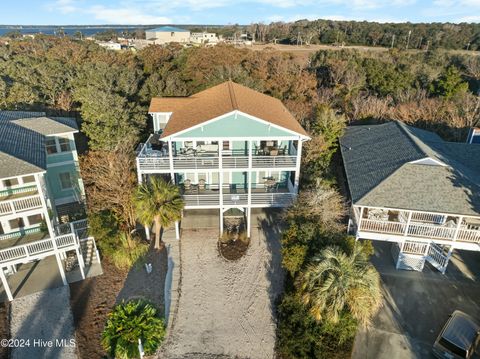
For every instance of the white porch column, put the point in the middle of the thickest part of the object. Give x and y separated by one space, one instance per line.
170 160
81 263
60 268
449 255
177 229
457 230
221 221
5 285
249 196
51 232
147 231
408 223
220 182
360 219
249 221
297 167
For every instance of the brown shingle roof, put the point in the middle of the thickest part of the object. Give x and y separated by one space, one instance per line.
219 100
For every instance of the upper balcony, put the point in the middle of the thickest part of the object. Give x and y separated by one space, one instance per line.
442 228
33 243
154 156
17 200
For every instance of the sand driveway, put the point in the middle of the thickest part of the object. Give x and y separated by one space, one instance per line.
226 309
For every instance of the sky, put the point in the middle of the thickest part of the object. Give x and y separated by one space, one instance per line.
218 12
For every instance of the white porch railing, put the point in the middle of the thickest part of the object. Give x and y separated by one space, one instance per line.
241 199
212 162
430 231
37 249
469 235
370 225
422 230
19 205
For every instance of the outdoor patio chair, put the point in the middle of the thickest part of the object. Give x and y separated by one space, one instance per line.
187 184
274 152
201 185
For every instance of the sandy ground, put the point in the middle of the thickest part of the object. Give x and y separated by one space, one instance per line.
226 309
40 318
93 298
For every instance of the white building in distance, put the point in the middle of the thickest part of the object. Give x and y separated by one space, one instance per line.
204 38
166 34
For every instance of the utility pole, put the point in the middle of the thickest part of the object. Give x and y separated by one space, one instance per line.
468 46
408 39
393 41
428 44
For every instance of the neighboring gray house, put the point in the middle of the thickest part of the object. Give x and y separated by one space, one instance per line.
411 188
165 34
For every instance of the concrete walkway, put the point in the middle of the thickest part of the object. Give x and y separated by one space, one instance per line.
44 322
417 305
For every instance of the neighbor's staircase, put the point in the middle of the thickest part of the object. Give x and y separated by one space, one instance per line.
89 251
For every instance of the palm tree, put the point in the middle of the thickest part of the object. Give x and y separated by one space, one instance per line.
336 282
127 323
158 202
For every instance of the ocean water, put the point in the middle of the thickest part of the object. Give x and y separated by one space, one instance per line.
69 30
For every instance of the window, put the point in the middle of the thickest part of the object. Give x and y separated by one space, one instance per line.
35 219
16 223
51 146
64 144
65 180
28 179
10 182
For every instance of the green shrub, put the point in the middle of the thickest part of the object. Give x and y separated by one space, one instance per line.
128 322
300 336
128 251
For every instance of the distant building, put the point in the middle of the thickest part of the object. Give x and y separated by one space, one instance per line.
167 34
110 45
203 38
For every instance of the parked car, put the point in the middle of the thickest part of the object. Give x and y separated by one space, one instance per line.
459 337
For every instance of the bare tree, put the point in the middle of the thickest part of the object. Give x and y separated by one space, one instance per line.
110 180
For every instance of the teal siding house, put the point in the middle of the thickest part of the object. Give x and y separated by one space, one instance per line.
42 200
228 147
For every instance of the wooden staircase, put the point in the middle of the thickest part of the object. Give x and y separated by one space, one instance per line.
89 252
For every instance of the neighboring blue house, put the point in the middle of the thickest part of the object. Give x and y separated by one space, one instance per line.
42 199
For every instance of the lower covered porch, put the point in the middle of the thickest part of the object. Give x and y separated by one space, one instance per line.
27 278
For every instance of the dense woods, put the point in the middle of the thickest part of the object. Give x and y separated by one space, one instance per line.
398 35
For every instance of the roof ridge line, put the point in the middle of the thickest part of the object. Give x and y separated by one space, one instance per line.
233 99
402 125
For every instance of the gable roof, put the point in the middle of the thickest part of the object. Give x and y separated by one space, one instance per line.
22 140
219 100
168 29
377 161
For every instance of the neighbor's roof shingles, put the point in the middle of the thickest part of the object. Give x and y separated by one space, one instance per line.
219 100
379 173
22 140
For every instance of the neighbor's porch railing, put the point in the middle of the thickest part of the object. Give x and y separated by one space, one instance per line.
20 204
422 230
37 249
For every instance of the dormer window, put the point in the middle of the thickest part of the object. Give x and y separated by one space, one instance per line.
51 146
